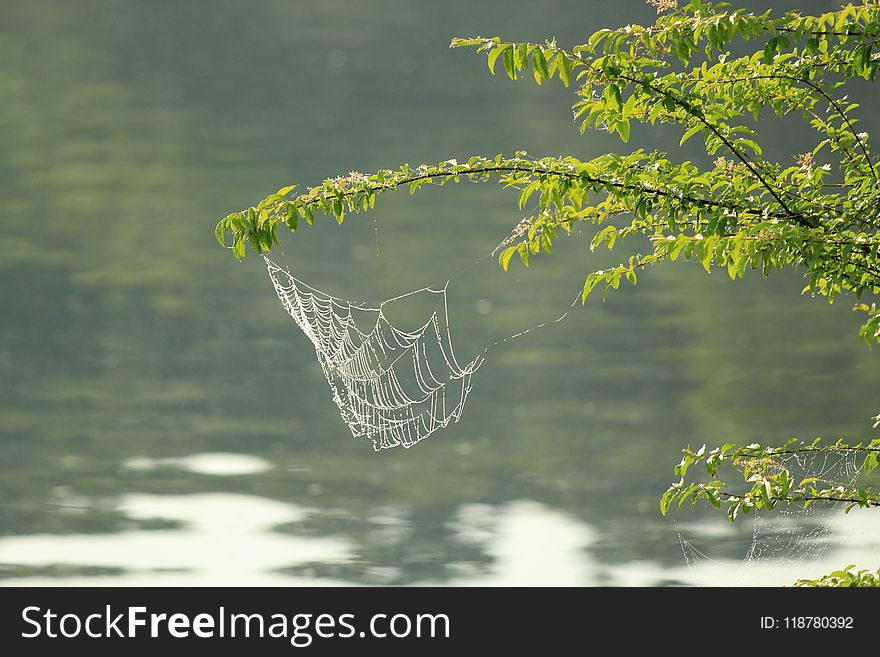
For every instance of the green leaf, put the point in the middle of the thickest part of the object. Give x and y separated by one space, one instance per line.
220 232
683 51
677 247
613 97
493 57
254 241
690 133
628 106
733 512
291 218
591 282
665 500
811 47
521 59
769 51
751 144
506 255
306 213
509 64
238 247
623 129
764 491
564 69
540 63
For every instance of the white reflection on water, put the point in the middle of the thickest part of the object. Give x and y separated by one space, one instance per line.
852 538
532 545
536 545
227 539
209 463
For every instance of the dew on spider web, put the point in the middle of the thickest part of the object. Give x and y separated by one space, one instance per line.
785 539
393 385
392 368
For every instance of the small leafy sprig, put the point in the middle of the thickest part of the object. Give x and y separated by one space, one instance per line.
769 482
844 578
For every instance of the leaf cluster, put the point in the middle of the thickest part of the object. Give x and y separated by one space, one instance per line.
844 578
768 481
744 211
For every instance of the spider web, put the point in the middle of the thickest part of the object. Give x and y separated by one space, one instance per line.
788 543
392 386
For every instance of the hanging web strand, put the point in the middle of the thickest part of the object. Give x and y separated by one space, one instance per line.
392 386
788 543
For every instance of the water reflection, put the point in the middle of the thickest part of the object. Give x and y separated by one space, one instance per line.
781 551
218 464
156 402
222 539
529 545
242 540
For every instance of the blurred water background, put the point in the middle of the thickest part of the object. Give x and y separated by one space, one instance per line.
163 422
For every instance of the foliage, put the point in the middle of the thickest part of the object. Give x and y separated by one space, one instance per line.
769 481
843 578
737 208
742 211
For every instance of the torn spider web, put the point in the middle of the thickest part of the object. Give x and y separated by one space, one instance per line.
392 386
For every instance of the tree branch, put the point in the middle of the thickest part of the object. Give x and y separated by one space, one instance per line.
562 174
